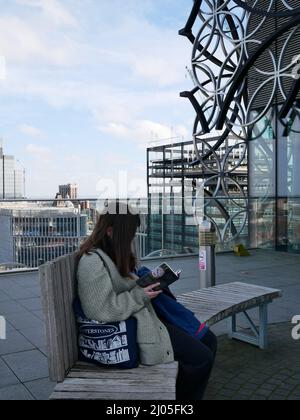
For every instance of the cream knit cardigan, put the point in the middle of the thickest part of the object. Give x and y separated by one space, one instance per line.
109 297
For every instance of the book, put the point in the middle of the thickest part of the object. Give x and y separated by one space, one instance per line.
162 274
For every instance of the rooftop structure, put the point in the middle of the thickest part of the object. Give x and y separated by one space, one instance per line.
32 234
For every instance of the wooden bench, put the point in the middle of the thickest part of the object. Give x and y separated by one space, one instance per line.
227 301
79 381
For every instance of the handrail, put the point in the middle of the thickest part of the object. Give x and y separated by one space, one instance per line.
44 200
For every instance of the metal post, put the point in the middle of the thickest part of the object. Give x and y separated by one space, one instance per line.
263 326
207 260
233 326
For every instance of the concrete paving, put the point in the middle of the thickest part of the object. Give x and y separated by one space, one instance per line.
23 356
243 372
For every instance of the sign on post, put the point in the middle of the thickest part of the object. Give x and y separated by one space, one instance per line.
296 329
2 328
203 260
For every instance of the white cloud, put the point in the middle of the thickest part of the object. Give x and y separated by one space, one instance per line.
157 69
73 159
147 56
31 131
144 131
117 112
52 10
20 43
2 68
39 153
153 53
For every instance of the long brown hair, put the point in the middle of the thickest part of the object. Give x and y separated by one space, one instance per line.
124 223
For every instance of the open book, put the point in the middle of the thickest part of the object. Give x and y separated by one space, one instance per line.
162 274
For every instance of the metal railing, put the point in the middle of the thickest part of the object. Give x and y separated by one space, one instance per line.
33 232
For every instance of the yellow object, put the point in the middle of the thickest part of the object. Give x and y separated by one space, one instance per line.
241 251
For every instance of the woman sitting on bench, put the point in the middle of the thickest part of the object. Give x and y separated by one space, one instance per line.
109 293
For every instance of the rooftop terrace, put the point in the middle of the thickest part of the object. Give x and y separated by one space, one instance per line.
241 372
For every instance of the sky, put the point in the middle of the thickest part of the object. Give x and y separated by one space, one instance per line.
88 85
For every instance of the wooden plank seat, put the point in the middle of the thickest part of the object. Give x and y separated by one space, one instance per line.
227 301
77 380
87 382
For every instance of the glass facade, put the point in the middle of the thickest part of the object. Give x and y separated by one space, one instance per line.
245 70
274 176
274 142
11 179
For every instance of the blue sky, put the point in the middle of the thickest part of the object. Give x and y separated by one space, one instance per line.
88 84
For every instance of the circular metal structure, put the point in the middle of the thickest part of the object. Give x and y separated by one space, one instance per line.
284 9
243 63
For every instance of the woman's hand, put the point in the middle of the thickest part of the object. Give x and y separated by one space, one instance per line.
152 294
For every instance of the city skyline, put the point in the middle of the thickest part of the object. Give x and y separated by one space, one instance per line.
79 106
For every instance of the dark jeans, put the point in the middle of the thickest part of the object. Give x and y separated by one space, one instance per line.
196 359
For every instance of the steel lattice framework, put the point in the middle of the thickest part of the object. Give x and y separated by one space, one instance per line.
239 68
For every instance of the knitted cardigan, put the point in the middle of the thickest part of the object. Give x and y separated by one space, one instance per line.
109 297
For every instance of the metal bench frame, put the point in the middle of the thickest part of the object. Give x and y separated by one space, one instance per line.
260 334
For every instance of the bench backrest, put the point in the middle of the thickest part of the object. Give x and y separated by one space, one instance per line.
58 292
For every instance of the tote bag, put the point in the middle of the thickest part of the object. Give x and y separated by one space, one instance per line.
111 344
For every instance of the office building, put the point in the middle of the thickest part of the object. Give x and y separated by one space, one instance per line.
69 191
12 180
33 234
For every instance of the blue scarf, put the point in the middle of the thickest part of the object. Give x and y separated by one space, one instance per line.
167 307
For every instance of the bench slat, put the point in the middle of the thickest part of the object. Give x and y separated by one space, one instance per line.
218 303
147 382
116 396
136 373
82 366
109 385
66 283
61 313
50 306
58 292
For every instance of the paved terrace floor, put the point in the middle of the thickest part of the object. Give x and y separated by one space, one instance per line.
241 372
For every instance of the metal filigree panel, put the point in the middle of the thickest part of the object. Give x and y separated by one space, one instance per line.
244 61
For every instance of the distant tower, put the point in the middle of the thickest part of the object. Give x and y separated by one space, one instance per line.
69 191
12 180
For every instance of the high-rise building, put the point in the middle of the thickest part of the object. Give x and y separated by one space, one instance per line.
69 191
12 180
